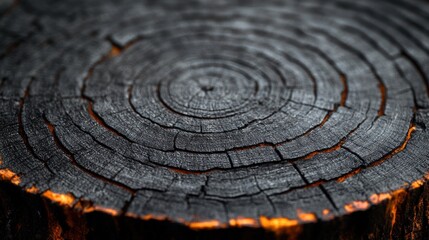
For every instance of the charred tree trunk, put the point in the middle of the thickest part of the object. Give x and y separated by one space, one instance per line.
226 119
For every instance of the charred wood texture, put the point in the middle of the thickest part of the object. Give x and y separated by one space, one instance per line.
214 119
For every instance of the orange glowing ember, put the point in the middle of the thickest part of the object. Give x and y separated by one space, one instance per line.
154 217
114 51
356 206
277 223
205 224
306 217
241 222
377 198
417 184
327 214
110 211
8 175
60 198
32 189
347 175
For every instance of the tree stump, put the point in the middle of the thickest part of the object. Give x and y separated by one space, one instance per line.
214 119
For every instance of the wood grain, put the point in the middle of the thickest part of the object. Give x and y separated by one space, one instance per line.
290 117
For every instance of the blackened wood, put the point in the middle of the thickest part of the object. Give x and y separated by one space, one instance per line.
289 118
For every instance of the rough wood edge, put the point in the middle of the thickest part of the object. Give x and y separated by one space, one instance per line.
387 215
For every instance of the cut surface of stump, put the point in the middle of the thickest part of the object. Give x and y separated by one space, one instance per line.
272 115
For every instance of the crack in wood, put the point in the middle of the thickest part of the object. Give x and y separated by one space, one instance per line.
72 159
22 131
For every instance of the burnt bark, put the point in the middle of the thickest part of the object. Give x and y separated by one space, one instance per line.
228 119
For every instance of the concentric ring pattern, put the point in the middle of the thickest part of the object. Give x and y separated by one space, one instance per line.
198 111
